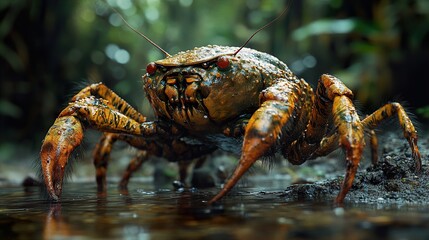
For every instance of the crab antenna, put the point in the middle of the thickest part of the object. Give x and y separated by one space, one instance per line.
288 4
141 34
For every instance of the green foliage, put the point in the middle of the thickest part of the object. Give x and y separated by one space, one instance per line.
423 111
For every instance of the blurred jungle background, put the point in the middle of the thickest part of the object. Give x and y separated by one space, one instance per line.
49 49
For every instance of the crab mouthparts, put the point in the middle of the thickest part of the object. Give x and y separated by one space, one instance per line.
184 97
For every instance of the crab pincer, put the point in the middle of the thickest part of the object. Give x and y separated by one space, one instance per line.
60 141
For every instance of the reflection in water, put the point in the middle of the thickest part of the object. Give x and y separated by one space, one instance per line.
55 226
143 213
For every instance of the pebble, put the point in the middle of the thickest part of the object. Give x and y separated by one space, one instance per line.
339 211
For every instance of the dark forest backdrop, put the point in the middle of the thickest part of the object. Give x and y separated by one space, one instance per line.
49 49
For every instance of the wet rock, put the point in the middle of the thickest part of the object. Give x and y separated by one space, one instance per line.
392 187
375 177
203 178
178 185
313 191
30 182
390 170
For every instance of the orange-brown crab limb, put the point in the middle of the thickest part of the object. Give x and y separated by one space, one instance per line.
61 139
407 126
262 132
67 131
351 134
264 128
332 99
102 153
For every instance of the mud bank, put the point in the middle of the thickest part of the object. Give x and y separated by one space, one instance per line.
393 180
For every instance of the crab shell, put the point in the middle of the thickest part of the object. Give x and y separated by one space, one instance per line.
197 91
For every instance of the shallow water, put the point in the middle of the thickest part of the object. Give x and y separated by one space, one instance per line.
144 213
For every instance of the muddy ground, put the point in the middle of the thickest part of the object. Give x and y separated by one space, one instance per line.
393 180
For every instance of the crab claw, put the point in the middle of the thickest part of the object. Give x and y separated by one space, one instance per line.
60 141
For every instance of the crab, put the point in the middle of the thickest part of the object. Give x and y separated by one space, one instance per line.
217 97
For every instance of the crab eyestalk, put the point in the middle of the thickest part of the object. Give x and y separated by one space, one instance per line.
60 141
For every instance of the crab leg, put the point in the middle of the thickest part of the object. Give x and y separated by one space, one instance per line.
333 98
261 133
171 149
101 156
104 147
134 165
328 144
264 128
102 153
373 143
100 90
351 137
407 126
331 93
67 131
306 146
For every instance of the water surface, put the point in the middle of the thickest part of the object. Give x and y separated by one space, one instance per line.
144 213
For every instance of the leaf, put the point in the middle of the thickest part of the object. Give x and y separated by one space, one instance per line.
9 109
335 26
325 26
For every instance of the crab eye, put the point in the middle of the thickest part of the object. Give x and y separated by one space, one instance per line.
205 65
222 63
151 68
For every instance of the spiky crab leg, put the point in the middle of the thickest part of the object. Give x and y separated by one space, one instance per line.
332 94
351 137
259 137
333 100
109 113
405 122
264 128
